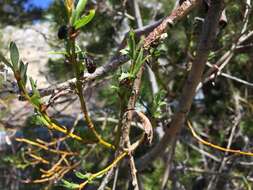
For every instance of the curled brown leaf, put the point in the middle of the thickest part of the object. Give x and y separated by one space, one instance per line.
146 125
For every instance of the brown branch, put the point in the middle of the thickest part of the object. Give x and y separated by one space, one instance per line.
112 65
126 139
175 16
185 101
155 35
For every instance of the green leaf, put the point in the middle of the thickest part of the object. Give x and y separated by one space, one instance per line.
80 68
131 44
138 65
139 57
158 103
14 54
140 44
84 19
83 176
23 70
34 89
36 100
70 185
37 119
138 62
80 8
125 76
73 17
5 61
124 51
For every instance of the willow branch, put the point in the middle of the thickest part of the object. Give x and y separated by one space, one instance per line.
194 78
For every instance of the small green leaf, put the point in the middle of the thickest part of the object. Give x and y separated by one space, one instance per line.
14 54
34 89
36 100
70 185
131 44
83 176
5 61
140 44
73 17
80 68
125 76
84 20
124 51
23 70
37 119
80 8
138 62
137 68
158 103
139 57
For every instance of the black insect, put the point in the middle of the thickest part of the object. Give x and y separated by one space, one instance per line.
63 32
90 65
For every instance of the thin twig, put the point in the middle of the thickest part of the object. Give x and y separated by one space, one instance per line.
115 178
217 146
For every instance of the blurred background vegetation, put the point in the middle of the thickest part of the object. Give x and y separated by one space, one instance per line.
222 108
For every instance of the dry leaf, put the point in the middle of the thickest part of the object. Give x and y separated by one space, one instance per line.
146 124
69 5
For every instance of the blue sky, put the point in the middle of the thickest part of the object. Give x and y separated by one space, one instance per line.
40 3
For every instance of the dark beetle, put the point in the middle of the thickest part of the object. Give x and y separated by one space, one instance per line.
63 32
90 65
